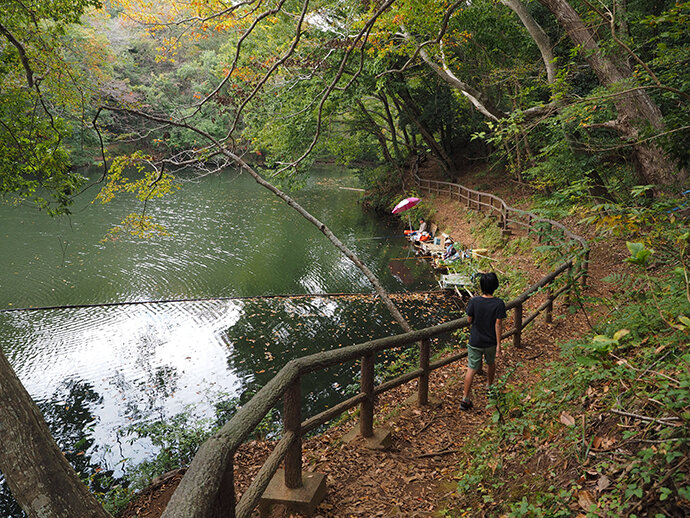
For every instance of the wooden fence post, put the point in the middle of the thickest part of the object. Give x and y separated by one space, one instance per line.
504 221
292 409
517 337
549 308
301 492
366 412
423 389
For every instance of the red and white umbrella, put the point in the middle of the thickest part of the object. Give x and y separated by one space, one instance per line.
406 204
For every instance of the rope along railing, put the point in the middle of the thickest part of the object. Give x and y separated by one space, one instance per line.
207 489
510 218
251 298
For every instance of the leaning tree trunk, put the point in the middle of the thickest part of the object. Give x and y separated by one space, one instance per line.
635 108
538 35
378 133
38 474
371 277
412 112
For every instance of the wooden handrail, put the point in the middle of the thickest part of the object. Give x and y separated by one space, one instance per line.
198 495
504 211
207 491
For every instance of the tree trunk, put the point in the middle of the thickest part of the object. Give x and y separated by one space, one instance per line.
477 98
538 35
635 108
376 130
412 112
38 474
391 127
409 143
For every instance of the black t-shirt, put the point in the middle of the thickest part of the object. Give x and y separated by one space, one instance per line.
484 312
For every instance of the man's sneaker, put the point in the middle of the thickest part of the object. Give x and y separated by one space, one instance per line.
466 405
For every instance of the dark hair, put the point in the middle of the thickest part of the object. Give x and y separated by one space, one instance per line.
488 282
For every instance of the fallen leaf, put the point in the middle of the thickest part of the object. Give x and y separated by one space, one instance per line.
603 483
596 442
607 442
567 419
585 499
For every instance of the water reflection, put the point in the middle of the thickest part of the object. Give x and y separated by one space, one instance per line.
96 370
228 237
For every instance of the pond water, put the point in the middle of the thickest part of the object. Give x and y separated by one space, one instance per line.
96 370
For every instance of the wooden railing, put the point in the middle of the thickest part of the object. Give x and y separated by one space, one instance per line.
207 489
510 218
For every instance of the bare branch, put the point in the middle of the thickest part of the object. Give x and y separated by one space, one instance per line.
364 31
614 125
246 34
292 203
269 73
22 55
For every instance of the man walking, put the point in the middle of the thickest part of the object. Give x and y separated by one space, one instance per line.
486 314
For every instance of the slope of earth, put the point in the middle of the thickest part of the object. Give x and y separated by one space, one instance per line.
417 472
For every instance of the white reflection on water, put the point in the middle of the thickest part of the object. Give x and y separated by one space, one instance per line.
144 361
122 365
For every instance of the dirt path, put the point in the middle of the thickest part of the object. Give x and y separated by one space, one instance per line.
417 474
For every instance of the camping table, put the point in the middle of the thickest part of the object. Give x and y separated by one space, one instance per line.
430 248
453 280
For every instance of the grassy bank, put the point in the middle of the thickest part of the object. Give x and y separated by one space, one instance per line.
604 432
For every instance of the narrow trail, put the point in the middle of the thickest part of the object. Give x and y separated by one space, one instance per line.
416 476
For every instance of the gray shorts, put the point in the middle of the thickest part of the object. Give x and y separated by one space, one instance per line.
475 355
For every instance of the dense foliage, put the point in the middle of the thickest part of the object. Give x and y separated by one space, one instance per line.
604 431
392 83
49 71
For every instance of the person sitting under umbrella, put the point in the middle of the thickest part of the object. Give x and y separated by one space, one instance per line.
422 226
421 234
449 248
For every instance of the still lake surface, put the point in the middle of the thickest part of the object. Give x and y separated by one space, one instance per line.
94 371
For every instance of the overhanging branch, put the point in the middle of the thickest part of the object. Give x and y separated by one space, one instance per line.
22 55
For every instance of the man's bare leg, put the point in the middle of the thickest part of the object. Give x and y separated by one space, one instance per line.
490 373
468 383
